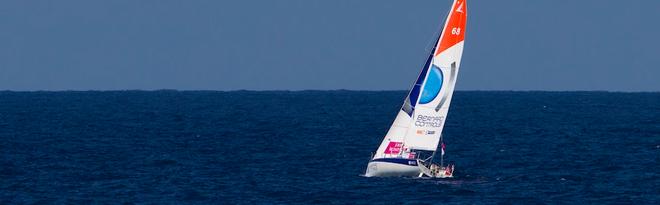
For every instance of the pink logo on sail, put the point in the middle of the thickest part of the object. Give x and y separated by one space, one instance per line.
394 148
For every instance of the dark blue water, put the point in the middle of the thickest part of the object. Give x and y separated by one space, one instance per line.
311 147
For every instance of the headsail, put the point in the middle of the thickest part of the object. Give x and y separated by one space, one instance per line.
420 121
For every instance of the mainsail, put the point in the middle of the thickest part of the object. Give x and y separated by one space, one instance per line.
419 123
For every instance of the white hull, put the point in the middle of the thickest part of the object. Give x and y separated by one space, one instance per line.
388 169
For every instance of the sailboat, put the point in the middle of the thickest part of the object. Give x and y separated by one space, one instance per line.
410 144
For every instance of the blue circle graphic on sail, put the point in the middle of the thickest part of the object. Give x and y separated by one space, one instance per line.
432 86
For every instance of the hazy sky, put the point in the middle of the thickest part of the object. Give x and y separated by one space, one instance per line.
324 44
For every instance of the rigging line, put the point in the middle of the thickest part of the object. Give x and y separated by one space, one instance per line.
438 33
436 36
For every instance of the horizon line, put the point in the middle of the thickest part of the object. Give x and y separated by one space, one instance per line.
308 90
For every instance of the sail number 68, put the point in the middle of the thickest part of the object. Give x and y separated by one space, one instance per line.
456 31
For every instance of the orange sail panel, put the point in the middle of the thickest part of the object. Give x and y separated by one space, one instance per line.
454 31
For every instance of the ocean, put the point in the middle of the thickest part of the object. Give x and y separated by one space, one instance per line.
311 147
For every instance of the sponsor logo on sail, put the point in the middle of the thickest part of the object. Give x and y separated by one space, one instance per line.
428 121
394 148
425 132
